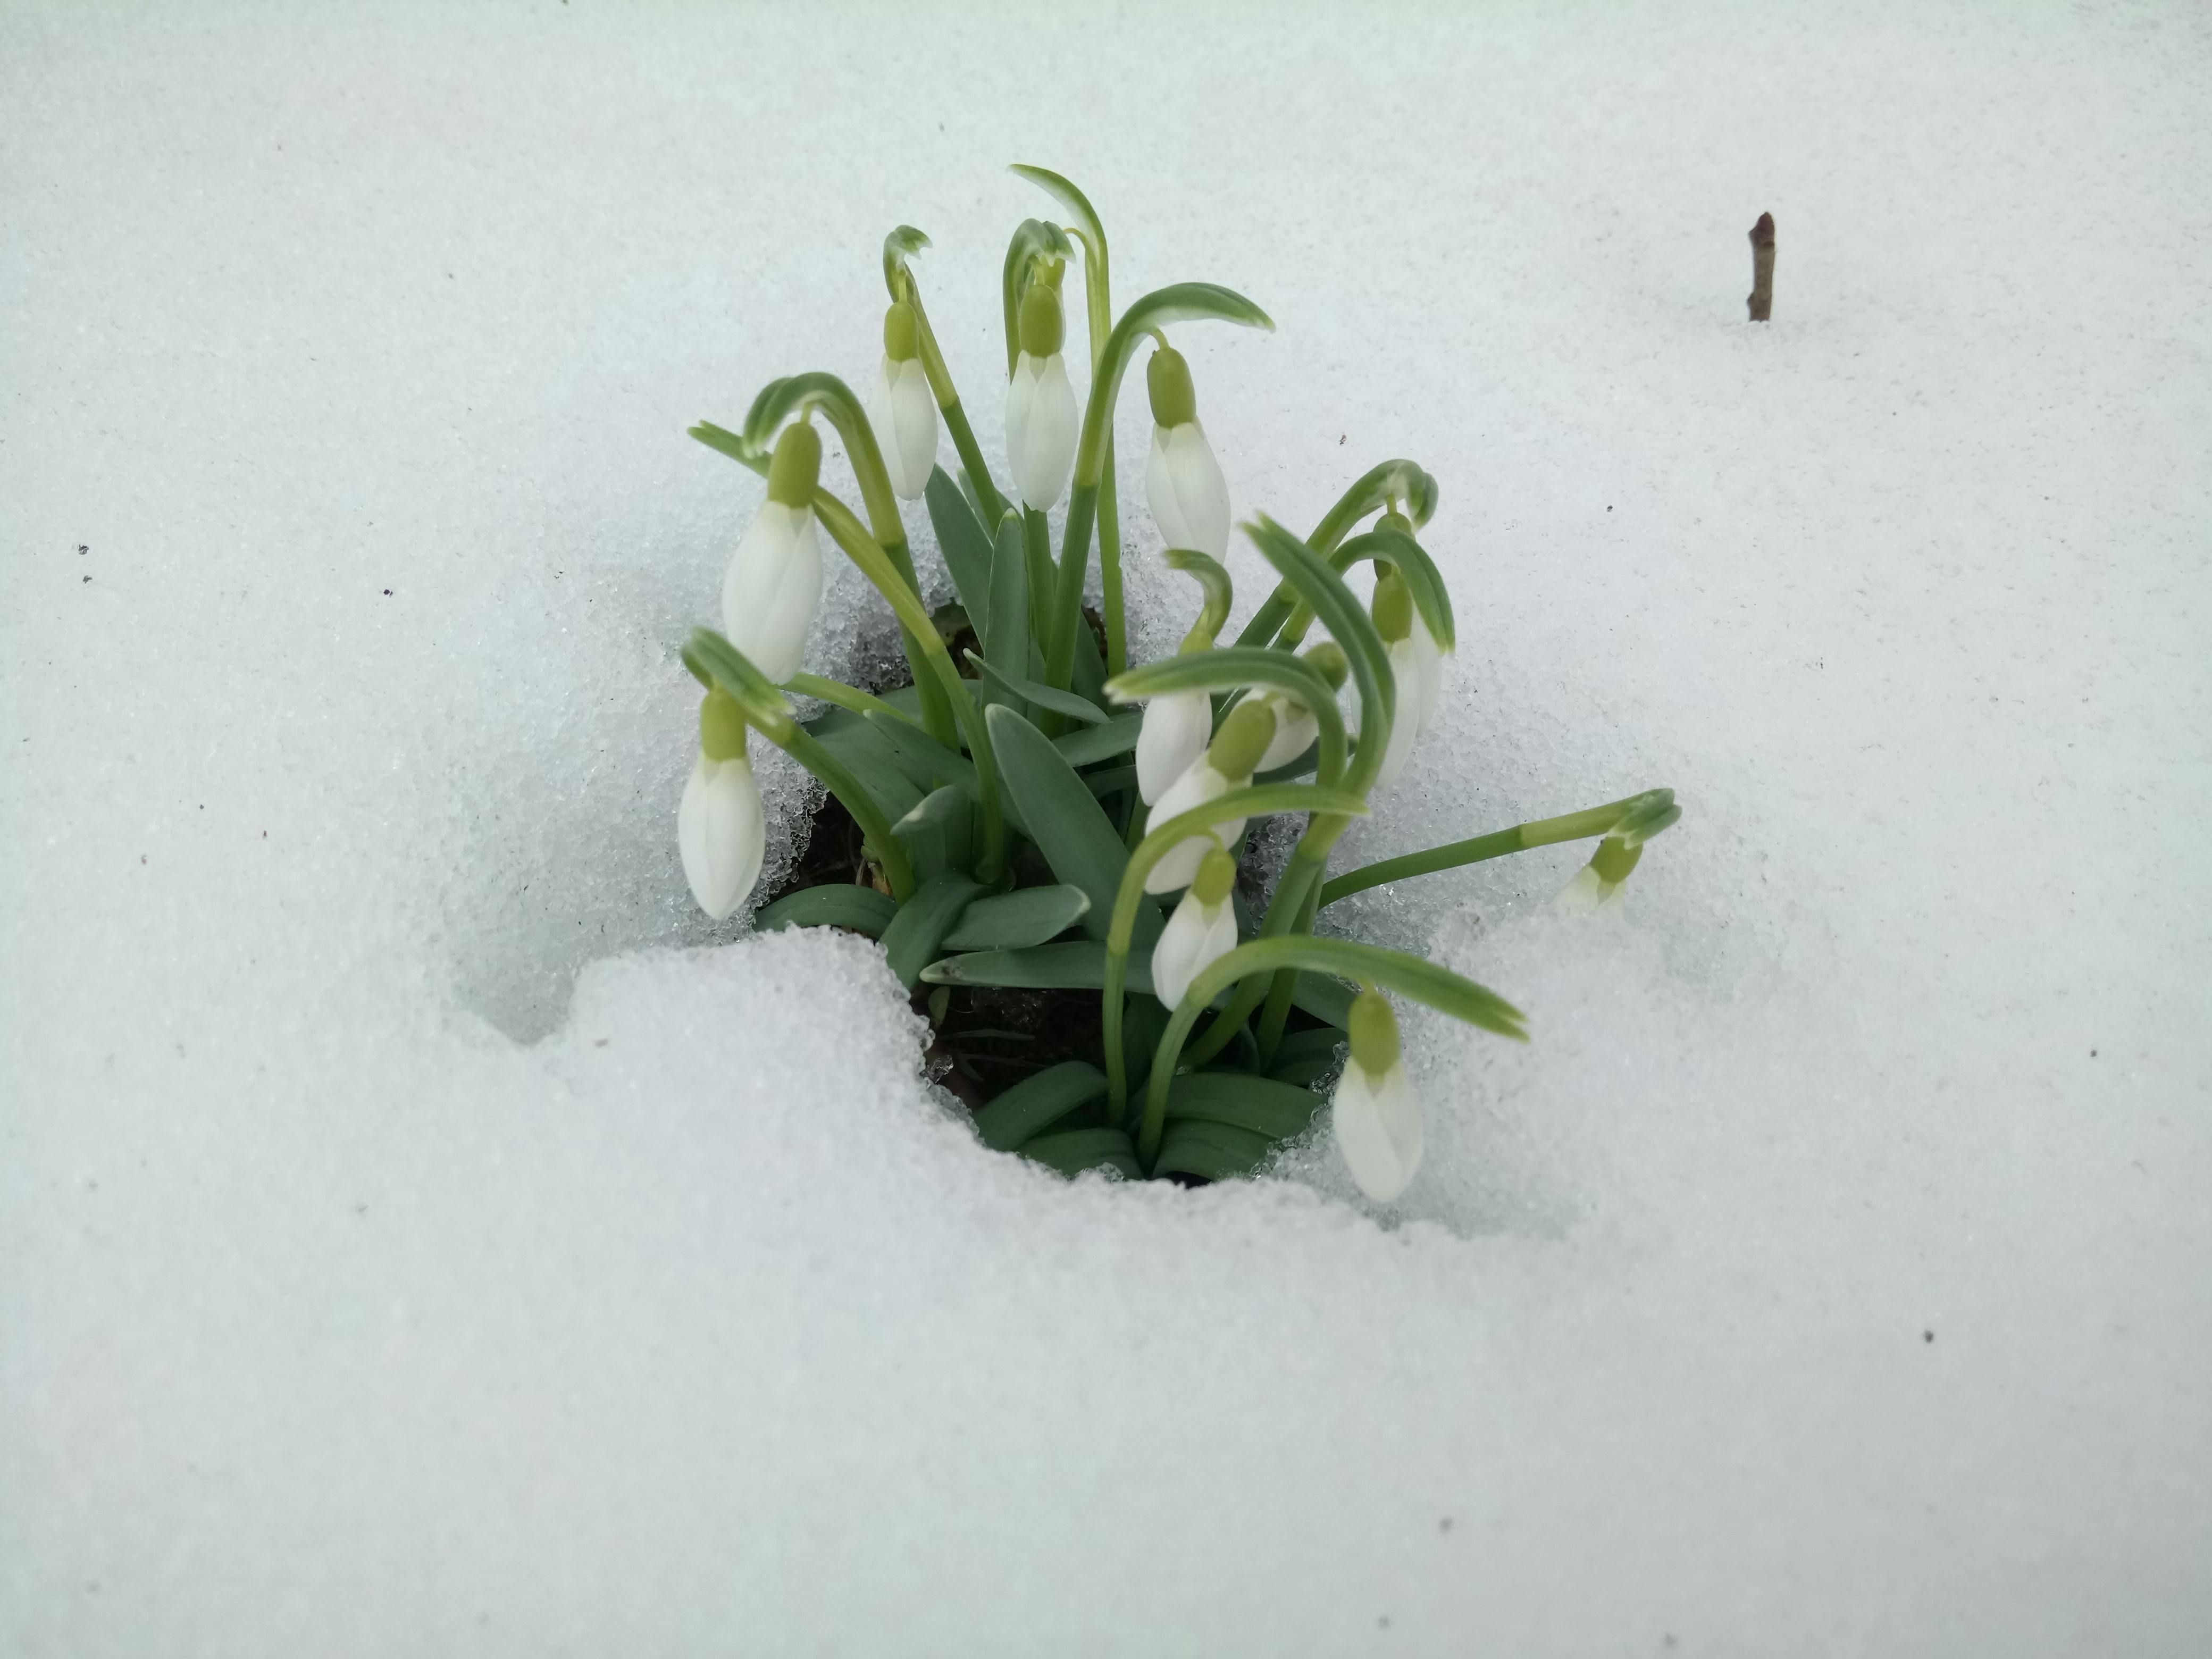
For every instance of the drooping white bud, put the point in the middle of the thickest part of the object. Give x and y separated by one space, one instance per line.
775 580
1183 480
1202 930
1375 1114
1176 728
1226 765
721 830
903 414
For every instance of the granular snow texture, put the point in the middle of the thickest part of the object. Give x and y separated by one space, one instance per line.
421 1232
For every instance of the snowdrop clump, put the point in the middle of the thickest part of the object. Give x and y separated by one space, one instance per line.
1020 831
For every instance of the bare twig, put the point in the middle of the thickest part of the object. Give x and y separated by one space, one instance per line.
1762 269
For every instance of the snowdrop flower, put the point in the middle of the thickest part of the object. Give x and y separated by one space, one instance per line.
1182 480
1177 726
1202 930
1297 726
774 581
1416 665
1043 422
1375 1114
903 411
1597 885
720 828
1227 765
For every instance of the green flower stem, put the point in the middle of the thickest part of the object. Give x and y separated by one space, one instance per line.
1541 832
1394 971
1178 302
1037 552
1369 494
1109 569
1392 547
875 828
714 661
1276 1012
849 698
849 534
1248 803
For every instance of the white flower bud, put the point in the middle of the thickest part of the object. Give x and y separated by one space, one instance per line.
721 832
1042 427
1188 495
1202 930
1376 1116
1178 724
903 414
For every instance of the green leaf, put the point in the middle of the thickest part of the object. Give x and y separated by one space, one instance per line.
1074 1150
1075 964
1304 1057
939 833
833 904
866 753
1077 204
1064 820
1112 781
1212 1151
1037 1102
1348 623
1325 997
1015 921
1088 671
1006 631
974 497
963 539
731 444
1099 743
919 757
1015 688
912 939
1278 1111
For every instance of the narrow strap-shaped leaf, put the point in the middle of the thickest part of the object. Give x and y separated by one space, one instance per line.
1256 1105
912 939
924 760
1017 920
1073 1151
866 753
1075 964
1212 1151
963 539
1037 1102
1098 743
1325 998
1431 597
1014 686
833 904
1064 819
1303 1056
1006 630
939 833
1111 782
1400 479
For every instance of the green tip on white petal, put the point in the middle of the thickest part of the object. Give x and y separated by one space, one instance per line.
1374 1031
1044 325
1393 609
1167 378
797 467
902 332
1328 660
722 726
1217 874
1614 861
1244 737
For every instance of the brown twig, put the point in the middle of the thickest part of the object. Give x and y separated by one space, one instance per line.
1762 269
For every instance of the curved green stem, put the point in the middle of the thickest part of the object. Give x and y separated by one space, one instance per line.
1177 303
1219 591
1230 667
1393 547
1540 832
852 699
851 535
1371 492
1394 970
1156 845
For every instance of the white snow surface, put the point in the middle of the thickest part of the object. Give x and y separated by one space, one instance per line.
421 1232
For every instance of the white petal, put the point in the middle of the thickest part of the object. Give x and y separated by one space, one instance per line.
1295 733
915 406
1178 727
1200 785
1021 402
1589 893
772 587
903 414
1428 658
1377 1123
722 833
1406 725
1201 493
1177 957
1050 427
1160 493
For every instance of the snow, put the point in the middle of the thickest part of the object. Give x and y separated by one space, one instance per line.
421 1232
